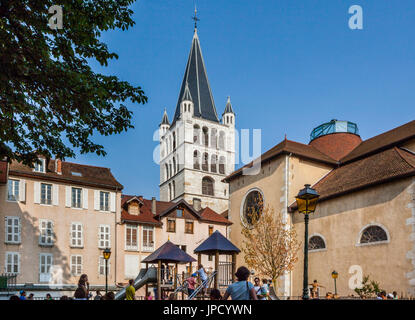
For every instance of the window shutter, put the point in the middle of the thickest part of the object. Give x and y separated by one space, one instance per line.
55 196
22 191
85 198
96 199
37 192
112 201
68 196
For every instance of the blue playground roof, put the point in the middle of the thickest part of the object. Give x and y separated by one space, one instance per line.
217 242
169 252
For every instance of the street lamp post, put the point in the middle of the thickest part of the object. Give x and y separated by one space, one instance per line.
107 255
334 275
306 203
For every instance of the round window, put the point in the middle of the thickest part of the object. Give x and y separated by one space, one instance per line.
252 207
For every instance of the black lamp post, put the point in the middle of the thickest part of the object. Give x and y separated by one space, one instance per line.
306 203
107 255
334 275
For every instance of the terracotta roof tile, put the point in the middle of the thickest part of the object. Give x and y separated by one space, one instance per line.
382 141
208 214
286 147
84 174
372 170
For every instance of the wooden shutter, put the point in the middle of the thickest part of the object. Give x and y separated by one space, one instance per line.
37 192
22 191
112 201
96 199
68 196
85 198
55 194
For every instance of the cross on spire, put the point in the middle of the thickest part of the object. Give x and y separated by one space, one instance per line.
195 18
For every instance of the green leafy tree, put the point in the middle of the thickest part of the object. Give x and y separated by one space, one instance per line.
368 289
51 101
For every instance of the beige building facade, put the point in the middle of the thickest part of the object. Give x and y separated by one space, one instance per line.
56 221
364 222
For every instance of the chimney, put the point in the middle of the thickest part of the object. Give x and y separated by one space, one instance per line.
153 205
58 166
197 204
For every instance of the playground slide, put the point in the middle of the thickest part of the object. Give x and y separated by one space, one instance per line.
144 276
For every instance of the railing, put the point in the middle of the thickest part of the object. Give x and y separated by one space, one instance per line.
225 274
205 284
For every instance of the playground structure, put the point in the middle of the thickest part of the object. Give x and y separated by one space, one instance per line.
169 254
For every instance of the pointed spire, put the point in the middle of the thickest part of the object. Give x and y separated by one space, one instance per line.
195 77
228 108
165 119
186 94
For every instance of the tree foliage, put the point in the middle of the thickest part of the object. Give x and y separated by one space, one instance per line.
48 92
369 288
270 245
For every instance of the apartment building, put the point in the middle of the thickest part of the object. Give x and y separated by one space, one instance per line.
57 219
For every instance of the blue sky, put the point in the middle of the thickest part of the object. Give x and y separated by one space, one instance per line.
288 65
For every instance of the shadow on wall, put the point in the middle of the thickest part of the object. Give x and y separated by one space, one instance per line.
358 200
44 264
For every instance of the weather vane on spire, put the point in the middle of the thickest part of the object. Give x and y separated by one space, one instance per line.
195 18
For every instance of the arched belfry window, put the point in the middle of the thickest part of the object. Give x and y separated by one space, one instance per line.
174 166
221 143
196 134
196 160
208 186
174 140
316 242
167 170
205 162
205 135
213 163
222 161
373 234
213 138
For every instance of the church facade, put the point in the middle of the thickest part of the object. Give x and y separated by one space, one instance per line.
197 149
364 223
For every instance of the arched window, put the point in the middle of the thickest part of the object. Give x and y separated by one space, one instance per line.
252 207
196 134
170 192
222 140
213 138
174 140
178 163
316 243
373 234
222 165
174 190
205 135
205 162
167 171
207 186
174 166
170 170
213 162
196 160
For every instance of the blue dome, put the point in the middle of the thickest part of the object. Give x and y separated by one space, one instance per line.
334 126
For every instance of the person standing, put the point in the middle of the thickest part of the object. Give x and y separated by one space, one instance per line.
22 295
130 291
191 282
98 295
203 277
84 285
48 297
241 289
31 297
259 290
